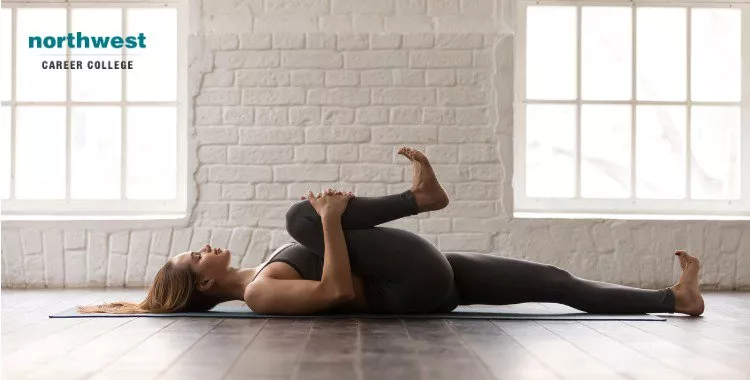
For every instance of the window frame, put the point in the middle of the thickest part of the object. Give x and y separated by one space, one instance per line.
14 209
627 208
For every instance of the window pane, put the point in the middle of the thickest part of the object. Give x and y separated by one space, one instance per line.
716 50
32 82
550 150
95 152
661 58
154 73
605 151
5 152
715 144
551 52
6 39
660 152
40 152
606 53
151 153
96 85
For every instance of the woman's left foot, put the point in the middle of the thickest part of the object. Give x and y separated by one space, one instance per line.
688 299
427 191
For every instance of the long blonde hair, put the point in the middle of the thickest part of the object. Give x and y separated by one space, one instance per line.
174 289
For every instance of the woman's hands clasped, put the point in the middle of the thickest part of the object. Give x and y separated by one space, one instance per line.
330 203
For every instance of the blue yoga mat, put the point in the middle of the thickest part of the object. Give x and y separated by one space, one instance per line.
461 312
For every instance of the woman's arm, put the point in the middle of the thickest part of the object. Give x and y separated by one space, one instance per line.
273 296
337 273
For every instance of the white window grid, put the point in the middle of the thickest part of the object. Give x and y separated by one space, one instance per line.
13 207
620 208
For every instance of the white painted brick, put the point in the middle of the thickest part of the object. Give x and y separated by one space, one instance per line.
31 241
316 7
304 115
246 58
201 175
155 263
239 173
273 96
116 270
382 41
160 241
372 115
342 78
464 242
228 23
730 239
267 116
33 268
237 191
477 191
489 225
464 134
218 79
255 41
473 77
239 115
201 236
341 96
440 58
370 190
343 153
462 96
218 96
322 41
376 153
260 155
216 135
288 41
459 41
119 241
409 24
464 24
411 7
286 23
451 173
337 115
257 249
299 189
250 213
440 77
137 258
272 135
403 96
383 7
220 237
262 78
442 154
212 154
180 241
353 41
270 191
337 134
53 257
477 153
372 78
309 153
336 23
406 115
443 7
409 77
483 58
75 239
12 257
472 116
307 78
221 41
292 173
404 134
75 269
435 225
376 59
368 23
371 173
207 115
96 247
435 115
238 242
477 7
419 41
313 59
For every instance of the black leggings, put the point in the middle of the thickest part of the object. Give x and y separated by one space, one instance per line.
404 273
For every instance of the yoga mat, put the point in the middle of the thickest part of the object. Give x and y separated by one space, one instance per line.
461 312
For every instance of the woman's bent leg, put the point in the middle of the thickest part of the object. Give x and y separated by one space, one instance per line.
493 280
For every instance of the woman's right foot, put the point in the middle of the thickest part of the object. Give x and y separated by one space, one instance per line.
430 196
688 299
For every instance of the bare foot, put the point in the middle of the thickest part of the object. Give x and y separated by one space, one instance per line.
688 299
429 194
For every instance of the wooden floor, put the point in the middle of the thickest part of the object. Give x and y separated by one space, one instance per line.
715 346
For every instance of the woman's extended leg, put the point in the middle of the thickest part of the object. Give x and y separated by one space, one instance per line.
488 279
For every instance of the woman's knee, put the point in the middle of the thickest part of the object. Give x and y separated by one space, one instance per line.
300 219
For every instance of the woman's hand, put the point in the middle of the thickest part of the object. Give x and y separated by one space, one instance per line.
329 203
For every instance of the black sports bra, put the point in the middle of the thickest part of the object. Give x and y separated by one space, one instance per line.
306 262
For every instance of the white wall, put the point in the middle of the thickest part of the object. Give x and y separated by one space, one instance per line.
302 94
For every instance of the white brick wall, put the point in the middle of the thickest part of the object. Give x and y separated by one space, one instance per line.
291 95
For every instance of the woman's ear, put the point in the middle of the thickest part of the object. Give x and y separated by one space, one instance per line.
205 284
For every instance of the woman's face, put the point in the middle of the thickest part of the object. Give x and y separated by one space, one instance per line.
208 263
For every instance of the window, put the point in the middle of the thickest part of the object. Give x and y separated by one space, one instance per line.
96 135
632 108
